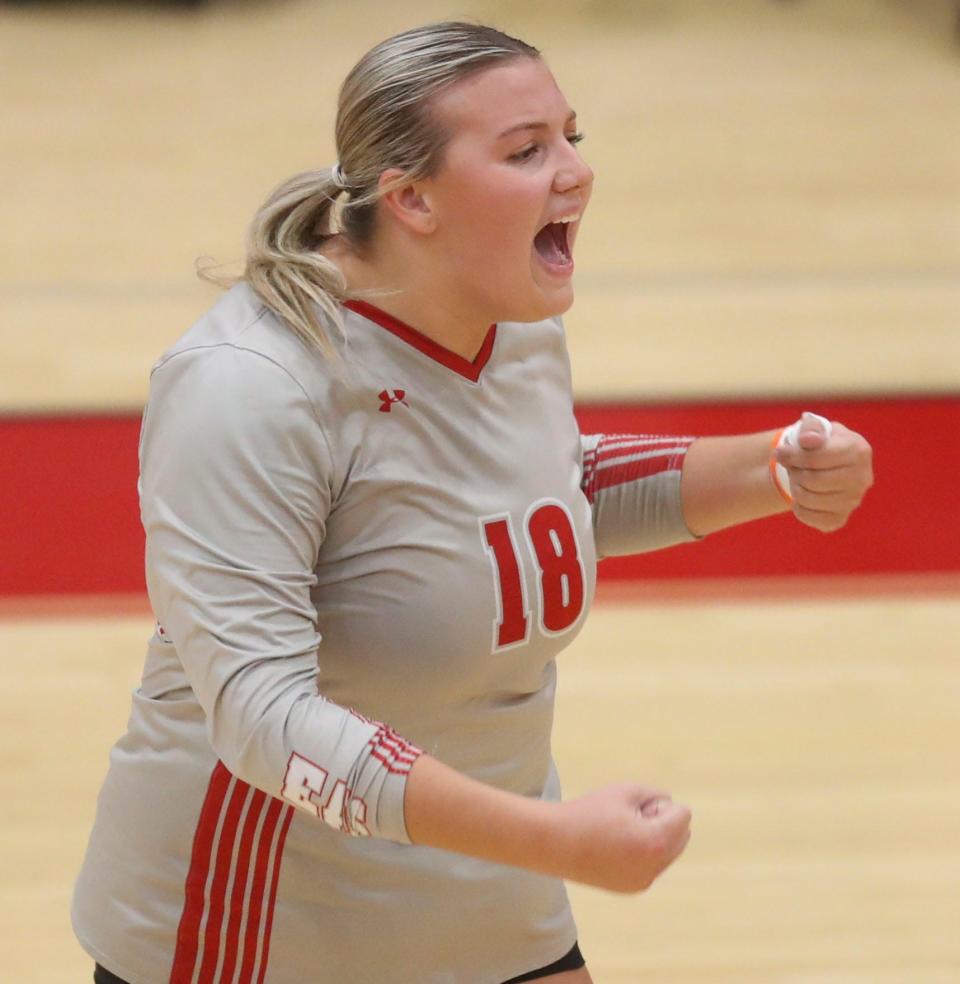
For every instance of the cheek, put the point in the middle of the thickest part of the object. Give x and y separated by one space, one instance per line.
498 227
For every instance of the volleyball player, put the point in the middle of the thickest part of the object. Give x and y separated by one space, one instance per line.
371 526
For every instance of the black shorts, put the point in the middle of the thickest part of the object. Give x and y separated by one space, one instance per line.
571 961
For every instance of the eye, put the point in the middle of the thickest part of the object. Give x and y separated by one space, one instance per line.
526 154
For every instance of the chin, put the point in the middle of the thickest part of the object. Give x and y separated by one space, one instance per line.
534 300
539 310
554 302
564 303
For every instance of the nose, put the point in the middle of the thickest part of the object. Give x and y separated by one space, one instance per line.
573 173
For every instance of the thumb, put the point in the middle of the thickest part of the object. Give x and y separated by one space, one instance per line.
814 431
654 807
666 813
673 821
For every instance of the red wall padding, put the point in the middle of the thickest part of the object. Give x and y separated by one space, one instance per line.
69 521
69 518
909 521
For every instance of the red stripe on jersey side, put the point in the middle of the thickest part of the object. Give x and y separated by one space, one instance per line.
397 755
241 877
632 471
637 456
274 882
188 932
221 877
419 341
605 467
405 750
390 764
257 891
608 450
610 443
645 438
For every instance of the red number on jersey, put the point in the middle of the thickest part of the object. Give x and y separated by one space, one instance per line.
511 625
553 545
551 536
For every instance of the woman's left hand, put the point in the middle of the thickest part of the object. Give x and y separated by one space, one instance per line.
829 473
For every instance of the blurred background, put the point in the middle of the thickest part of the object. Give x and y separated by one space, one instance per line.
775 227
777 182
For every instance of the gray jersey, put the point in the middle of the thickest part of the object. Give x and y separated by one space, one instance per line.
350 559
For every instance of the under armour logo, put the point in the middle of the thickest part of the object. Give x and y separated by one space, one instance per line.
389 397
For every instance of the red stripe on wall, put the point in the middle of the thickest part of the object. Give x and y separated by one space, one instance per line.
69 520
69 517
908 523
188 932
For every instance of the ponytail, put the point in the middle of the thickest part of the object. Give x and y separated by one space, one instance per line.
384 120
284 265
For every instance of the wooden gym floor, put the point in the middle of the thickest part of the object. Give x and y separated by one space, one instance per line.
777 211
814 738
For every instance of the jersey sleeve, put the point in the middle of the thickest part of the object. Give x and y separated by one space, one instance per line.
632 482
237 481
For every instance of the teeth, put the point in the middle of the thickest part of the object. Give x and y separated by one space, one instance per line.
563 220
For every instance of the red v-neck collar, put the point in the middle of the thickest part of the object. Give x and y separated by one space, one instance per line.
419 341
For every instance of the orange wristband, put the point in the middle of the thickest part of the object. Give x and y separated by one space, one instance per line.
775 467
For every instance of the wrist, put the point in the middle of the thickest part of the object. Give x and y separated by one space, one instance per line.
445 809
531 834
779 476
549 850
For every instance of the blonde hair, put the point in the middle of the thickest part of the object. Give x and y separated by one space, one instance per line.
384 120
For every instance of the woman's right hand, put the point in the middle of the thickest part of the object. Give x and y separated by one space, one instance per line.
620 837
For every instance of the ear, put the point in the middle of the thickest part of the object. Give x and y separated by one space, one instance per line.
409 205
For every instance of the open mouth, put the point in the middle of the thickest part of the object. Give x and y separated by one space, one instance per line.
552 244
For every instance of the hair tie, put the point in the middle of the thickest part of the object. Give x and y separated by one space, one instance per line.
336 176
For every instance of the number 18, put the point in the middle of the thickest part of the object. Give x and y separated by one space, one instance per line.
554 550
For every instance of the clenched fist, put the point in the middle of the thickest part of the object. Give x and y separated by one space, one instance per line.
621 837
830 470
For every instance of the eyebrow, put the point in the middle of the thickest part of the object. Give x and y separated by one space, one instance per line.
533 125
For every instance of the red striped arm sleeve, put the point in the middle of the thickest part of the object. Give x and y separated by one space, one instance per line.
632 482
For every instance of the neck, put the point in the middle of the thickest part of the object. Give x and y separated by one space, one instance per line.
413 293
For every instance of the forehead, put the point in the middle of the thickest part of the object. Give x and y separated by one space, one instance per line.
490 101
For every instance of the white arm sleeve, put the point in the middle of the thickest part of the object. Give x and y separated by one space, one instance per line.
632 482
236 485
